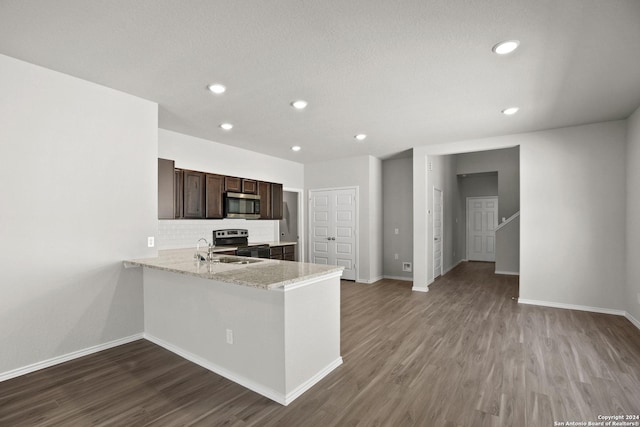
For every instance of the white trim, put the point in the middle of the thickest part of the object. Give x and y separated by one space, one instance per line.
297 392
433 232
245 382
508 220
632 319
370 281
420 289
67 357
572 306
356 232
407 279
510 273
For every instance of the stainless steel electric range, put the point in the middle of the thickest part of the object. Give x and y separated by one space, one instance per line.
239 238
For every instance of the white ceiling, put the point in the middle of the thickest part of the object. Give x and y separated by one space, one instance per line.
406 73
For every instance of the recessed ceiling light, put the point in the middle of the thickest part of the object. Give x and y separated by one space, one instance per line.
226 126
360 136
510 111
506 47
217 88
299 104
296 148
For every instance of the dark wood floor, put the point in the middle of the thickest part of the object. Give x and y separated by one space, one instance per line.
463 354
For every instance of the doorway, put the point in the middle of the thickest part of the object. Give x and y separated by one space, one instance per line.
288 225
332 229
482 221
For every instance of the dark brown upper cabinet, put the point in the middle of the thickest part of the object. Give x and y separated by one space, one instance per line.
166 189
249 186
264 191
178 204
194 194
270 200
233 184
276 201
214 196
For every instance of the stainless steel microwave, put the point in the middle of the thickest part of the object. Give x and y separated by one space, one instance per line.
239 205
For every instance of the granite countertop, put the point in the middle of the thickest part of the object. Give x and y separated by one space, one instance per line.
264 274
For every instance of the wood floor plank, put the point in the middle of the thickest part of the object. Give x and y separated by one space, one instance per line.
465 353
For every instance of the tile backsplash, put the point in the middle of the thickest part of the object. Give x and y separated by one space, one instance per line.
184 233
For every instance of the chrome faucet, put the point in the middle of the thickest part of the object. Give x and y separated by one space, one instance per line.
197 254
210 247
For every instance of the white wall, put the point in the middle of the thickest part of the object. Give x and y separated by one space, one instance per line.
397 214
202 155
572 198
506 163
508 247
572 221
364 172
632 295
78 176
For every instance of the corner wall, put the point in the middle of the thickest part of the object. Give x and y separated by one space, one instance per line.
632 291
78 178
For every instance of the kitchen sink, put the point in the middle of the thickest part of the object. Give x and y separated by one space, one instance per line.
235 260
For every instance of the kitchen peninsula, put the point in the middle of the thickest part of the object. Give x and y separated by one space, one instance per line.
272 326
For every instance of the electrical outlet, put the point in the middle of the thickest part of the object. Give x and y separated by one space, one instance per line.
396 256
151 241
229 336
396 231
406 266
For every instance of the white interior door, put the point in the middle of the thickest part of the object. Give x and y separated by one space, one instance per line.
437 232
332 228
482 220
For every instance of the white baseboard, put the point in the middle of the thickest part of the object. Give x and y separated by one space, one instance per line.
406 279
632 319
67 357
290 397
370 281
572 307
510 273
245 382
419 289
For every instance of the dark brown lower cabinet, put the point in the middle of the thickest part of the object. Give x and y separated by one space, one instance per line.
194 194
285 252
289 253
276 252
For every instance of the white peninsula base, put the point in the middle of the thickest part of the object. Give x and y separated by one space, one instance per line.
276 342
